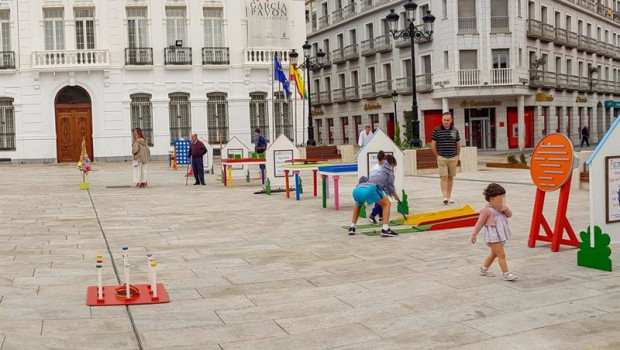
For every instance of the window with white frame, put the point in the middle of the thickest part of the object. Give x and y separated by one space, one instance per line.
217 117
136 27
5 31
175 25
54 24
180 116
7 125
258 113
213 28
142 115
84 29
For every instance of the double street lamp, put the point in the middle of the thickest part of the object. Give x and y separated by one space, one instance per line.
294 57
411 33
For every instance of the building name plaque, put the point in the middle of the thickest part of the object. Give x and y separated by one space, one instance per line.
581 99
471 103
368 106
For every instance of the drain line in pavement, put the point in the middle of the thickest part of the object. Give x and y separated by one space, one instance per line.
118 279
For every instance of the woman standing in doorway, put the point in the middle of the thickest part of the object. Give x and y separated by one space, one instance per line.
141 156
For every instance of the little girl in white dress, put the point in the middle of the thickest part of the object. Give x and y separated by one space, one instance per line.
493 220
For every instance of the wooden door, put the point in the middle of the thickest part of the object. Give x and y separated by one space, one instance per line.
73 123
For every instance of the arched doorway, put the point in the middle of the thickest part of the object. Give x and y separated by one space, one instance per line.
73 123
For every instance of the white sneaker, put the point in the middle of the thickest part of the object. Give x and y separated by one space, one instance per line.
486 272
509 276
450 200
445 201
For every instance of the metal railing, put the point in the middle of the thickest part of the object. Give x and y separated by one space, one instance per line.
323 21
351 52
367 47
561 36
534 28
178 55
500 24
337 15
369 90
325 97
469 77
424 82
365 5
316 101
501 76
338 95
571 39
384 88
542 78
139 56
548 32
90 59
383 43
352 93
349 10
215 55
467 25
338 56
7 60
403 85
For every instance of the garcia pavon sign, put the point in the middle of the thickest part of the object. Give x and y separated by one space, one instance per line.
268 23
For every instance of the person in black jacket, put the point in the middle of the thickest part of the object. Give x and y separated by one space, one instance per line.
197 150
585 135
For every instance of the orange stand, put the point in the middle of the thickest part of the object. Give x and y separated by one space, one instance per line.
551 168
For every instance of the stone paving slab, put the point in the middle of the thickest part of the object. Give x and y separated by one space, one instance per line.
249 271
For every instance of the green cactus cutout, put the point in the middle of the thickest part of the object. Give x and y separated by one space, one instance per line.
363 211
597 257
403 206
247 176
268 187
301 188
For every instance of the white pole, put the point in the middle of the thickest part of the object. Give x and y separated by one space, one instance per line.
99 277
127 280
149 258
154 281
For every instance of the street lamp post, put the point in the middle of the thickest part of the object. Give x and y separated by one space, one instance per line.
294 56
395 99
412 32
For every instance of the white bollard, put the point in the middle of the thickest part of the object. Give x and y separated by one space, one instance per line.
127 280
154 281
99 277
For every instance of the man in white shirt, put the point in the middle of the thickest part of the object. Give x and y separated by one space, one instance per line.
365 136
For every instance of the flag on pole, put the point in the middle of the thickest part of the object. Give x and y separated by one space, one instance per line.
280 76
295 74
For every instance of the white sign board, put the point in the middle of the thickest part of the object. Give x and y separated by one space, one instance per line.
277 153
236 147
269 23
612 170
367 156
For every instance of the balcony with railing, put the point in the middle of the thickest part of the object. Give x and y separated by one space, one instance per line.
502 76
542 78
585 84
264 57
352 93
349 11
142 56
500 24
467 25
327 60
572 40
7 60
365 5
367 47
572 82
548 32
383 43
71 59
337 15
323 21
338 56
316 101
351 52
215 55
424 82
403 85
325 97
338 96
384 88
369 90
178 55
534 28
561 36
469 77
561 81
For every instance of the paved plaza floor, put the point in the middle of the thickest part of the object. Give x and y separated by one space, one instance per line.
248 271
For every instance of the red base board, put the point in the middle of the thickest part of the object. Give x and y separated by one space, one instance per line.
110 299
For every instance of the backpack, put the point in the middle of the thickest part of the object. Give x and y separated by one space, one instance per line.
261 146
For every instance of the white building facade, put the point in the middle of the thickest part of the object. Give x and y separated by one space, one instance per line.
75 70
500 66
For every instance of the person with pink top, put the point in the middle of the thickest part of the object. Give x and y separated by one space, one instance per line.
493 222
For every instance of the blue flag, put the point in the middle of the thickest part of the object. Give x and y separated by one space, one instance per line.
280 76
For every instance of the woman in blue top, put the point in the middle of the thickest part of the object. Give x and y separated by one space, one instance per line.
376 190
